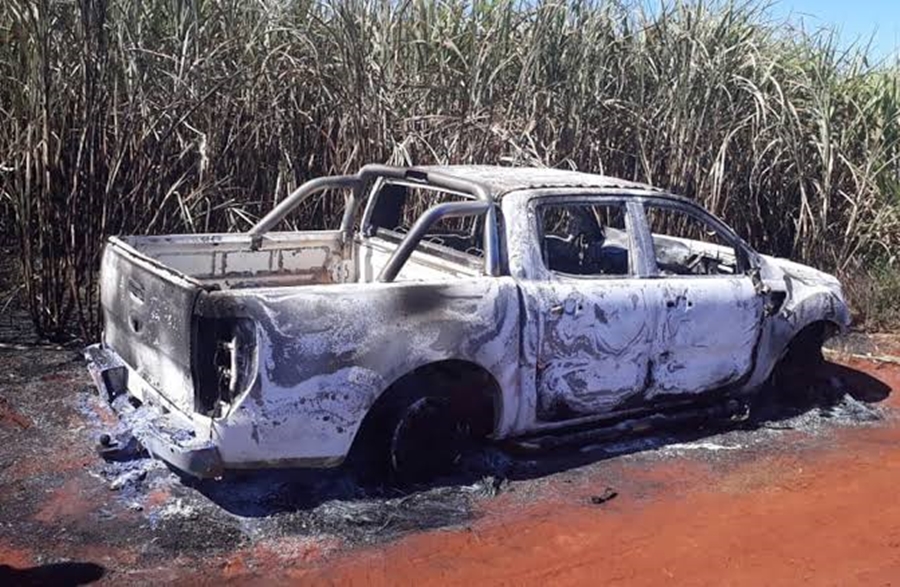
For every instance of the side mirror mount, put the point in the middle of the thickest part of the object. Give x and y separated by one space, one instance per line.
758 284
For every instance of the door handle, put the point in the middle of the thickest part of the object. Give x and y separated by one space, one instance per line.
570 306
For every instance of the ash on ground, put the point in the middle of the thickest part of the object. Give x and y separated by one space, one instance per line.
56 416
330 505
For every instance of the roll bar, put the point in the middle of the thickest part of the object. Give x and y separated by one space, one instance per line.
418 230
483 204
298 196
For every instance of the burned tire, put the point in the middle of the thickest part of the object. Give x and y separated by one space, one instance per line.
421 430
428 439
798 376
415 438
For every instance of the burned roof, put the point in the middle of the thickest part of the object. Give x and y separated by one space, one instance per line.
502 180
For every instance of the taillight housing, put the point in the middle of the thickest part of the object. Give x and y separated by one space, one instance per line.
225 362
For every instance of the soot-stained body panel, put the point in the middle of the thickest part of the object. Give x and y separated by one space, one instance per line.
596 342
327 353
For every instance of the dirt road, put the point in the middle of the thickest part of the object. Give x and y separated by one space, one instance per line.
806 497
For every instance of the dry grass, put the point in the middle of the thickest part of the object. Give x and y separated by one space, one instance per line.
190 115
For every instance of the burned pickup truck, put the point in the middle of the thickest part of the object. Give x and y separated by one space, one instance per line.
452 304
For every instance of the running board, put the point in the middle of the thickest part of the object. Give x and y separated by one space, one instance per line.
633 426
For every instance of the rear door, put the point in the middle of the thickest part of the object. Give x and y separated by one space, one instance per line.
595 322
710 313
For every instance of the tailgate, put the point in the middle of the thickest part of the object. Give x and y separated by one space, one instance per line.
147 310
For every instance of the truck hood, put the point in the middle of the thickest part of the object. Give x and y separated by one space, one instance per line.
806 275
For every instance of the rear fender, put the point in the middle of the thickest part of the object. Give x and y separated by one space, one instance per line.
326 353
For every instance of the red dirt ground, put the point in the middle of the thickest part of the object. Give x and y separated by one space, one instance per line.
831 520
828 516
817 509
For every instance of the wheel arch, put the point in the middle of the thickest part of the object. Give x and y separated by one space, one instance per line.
780 343
452 374
814 332
783 332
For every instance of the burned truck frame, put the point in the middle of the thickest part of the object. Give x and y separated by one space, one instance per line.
466 302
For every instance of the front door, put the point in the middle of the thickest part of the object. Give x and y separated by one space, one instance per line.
710 312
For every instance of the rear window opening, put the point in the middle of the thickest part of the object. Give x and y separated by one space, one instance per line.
397 207
585 239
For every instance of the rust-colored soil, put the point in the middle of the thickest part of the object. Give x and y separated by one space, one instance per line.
829 518
796 504
8 416
824 515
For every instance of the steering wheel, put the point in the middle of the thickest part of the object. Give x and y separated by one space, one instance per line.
693 260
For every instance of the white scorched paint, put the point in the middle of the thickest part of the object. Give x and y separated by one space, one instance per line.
330 339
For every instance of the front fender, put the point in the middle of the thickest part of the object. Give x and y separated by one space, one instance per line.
810 296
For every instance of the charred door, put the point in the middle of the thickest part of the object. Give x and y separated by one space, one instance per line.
710 312
595 324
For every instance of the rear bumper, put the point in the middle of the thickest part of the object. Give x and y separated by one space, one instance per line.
165 434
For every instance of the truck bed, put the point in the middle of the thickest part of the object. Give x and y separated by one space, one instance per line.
285 259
